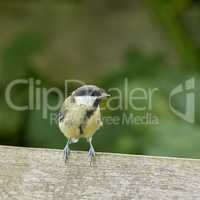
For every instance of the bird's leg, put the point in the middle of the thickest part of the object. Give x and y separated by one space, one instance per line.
91 152
67 150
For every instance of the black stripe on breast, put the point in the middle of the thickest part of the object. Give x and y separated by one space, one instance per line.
81 129
88 115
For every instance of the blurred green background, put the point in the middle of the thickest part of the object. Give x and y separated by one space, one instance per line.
155 44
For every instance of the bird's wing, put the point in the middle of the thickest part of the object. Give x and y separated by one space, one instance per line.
65 108
72 112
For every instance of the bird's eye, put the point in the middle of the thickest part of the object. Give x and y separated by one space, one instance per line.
96 93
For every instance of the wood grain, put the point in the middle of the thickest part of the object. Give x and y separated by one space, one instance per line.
40 174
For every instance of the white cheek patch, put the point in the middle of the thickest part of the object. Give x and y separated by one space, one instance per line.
85 100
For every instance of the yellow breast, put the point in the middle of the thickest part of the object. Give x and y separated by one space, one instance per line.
71 127
93 124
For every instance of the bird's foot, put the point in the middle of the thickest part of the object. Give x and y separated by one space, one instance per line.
66 153
91 154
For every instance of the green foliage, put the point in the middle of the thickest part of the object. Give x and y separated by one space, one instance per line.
28 54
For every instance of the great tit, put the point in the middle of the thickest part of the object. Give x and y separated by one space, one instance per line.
80 116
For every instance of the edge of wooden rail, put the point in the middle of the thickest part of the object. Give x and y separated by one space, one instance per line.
100 153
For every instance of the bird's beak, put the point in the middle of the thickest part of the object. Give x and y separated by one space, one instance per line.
104 95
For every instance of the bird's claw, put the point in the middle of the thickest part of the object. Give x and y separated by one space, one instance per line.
66 153
91 154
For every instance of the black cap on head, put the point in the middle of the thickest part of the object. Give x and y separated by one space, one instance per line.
89 90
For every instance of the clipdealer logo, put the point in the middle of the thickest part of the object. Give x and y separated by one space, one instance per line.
129 100
187 88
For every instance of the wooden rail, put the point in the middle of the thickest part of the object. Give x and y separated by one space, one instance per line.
40 174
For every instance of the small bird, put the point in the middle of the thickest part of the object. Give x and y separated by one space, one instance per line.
80 116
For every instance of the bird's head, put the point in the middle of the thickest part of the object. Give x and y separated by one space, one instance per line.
89 95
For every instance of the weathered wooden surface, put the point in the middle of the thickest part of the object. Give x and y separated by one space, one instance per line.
34 174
